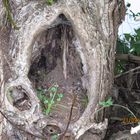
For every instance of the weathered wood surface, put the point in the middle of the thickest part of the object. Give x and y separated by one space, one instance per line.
95 23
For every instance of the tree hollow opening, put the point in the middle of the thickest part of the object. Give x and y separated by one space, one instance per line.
56 71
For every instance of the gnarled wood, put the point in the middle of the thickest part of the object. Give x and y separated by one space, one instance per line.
95 31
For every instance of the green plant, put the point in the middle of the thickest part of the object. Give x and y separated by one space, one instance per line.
109 103
129 44
7 7
54 137
49 97
50 2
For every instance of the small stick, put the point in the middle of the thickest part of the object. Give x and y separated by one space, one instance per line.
69 120
119 75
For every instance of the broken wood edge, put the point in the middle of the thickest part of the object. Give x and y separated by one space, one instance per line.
97 126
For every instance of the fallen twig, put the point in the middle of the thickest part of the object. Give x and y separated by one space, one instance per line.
69 120
132 70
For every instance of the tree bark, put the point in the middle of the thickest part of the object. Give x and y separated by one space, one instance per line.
95 24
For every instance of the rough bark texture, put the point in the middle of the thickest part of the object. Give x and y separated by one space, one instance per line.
95 24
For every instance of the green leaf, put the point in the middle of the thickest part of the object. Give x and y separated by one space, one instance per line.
120 66
40 97
122 46
51 95
46 102
103 103
54 137
138 33
60 95
136 48
46 111
50 2
40 91
127 36
107 103
58 99
53 89
52 102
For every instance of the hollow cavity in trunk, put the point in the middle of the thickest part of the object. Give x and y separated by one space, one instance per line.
55 60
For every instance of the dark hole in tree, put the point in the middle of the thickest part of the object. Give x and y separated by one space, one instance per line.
19 98
58 61
51 129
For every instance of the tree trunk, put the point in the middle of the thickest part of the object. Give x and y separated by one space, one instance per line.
67 42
